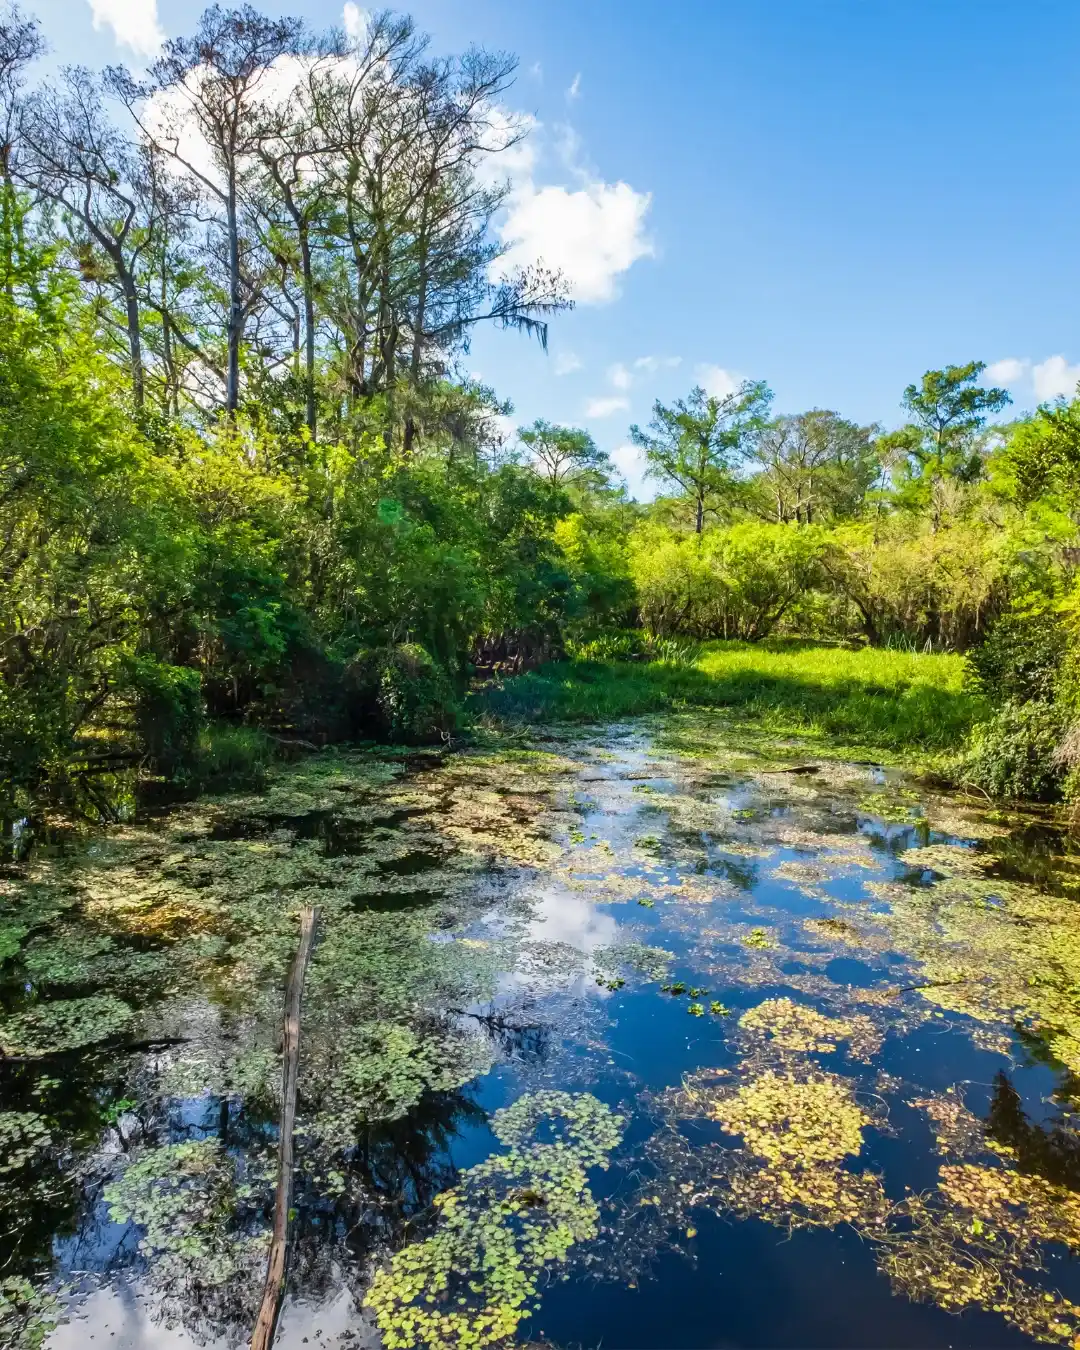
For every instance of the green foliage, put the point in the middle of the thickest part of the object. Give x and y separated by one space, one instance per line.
950 407
169 712
695 445
565 454
231 758
400 694
738 582
270 505
1014 753
1021 658
510 1220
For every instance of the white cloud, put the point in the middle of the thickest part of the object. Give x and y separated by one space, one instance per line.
630 462
1009 370
605 405
566 363
355 21
505 427
1054 378
717 381
619 376
134 23
509 151
575 88
1045 380
536 70
591 236
651 364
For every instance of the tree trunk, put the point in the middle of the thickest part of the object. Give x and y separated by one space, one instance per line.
131 304
236 316
700 515
309 329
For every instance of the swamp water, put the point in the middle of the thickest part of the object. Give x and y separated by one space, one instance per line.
635 1038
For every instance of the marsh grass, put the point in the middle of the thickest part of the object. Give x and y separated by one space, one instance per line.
891 703
231 758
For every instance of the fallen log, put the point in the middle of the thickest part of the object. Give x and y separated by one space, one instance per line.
262 1338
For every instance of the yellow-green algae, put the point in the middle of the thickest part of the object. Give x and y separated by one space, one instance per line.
512 1217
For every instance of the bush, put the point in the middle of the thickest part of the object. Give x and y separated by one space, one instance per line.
400 694
1015 752
619 644
168 710
739 582
1021 659
231 759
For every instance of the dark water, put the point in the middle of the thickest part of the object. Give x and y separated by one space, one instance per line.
627 1039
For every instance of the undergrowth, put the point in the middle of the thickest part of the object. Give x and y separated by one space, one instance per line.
886 701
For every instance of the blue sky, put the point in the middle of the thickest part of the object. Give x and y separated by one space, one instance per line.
831 195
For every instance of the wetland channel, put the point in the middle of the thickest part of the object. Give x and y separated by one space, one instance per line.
636 1036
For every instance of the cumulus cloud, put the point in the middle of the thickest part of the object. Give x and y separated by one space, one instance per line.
630 462
717 381
355 21
619 376
575 88
651 364
566 363
605 405
1009 370
591 235
134 23
1054 378
1046 380
509 145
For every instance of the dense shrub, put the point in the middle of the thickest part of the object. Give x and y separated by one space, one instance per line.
230 759
1021 658
168 709
1014 753
399 693
739 582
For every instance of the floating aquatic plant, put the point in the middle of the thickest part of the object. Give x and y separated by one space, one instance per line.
66 1024
475 1278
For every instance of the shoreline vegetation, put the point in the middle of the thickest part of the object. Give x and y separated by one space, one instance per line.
893 706
252 502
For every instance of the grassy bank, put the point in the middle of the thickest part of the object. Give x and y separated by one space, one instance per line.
893 705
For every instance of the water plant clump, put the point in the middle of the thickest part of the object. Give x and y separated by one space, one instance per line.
196 1206
787 1025
66 1024
518 1214
785 1117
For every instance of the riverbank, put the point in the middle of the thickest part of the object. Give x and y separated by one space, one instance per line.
868 703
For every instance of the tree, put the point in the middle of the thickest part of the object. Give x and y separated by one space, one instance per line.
20 44
414 261
75 157
697 444
214 84
950 407
812 464
564 454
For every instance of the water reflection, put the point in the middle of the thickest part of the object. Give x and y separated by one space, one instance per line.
780 991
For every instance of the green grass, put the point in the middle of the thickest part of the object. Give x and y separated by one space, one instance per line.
897 705
231 758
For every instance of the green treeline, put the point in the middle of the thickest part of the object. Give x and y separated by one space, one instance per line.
246 490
